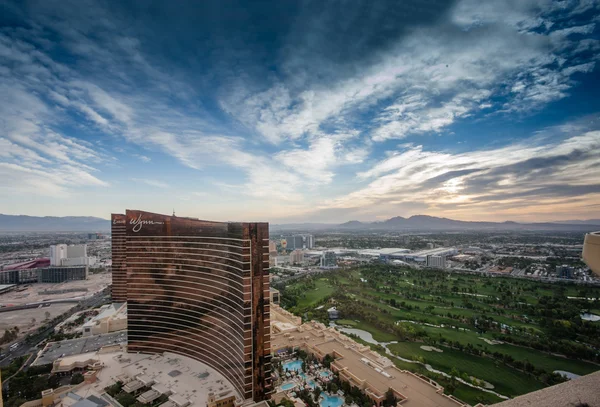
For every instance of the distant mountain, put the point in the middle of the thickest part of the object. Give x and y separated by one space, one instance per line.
352 224
425 222
289 227
22 223
580 222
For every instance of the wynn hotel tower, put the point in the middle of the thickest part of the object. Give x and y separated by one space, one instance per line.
200 289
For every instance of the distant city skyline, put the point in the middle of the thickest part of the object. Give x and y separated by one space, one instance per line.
302 111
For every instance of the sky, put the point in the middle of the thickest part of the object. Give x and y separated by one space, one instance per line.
301 111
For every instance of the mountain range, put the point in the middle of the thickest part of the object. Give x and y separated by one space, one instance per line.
425 222
22 223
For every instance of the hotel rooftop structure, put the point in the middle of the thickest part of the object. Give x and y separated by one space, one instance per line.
199 289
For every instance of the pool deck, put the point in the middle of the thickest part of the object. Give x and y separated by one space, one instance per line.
357 364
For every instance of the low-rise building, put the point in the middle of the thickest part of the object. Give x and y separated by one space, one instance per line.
112 318
438 262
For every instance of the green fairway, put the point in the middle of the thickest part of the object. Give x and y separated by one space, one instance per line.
506 380
378 334
312 297
463 392
347 322
546 361
474 396
541 359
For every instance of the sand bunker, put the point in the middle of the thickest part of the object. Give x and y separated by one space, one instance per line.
483 383
491 342
430 349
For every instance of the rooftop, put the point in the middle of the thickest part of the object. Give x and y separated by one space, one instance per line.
191 386
585 389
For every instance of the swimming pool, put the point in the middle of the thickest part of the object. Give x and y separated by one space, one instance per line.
312 384
288 386
324 374
331 401
294 365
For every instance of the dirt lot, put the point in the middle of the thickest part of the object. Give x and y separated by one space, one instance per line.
32 294
94 283
22 318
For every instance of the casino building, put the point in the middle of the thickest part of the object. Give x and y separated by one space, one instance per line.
200 289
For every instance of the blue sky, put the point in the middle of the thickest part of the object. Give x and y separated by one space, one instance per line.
301 111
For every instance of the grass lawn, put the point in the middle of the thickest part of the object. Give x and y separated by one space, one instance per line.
463 392
507 381
312 297
474 396
347 322
378 334
545 361
539 359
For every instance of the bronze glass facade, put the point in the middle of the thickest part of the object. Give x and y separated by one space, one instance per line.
201 289
119 273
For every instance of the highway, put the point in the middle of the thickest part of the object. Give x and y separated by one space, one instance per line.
29 345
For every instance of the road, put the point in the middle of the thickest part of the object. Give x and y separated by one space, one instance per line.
29 345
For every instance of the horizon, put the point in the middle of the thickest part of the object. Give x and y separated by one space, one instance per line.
325 223
302 112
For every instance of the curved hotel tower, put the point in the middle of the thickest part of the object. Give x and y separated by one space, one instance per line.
119 273
201 289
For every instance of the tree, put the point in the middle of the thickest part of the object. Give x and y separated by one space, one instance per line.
114 389
334 388
286 403
32 321
47 315
77 378
390 398
126 399
317 392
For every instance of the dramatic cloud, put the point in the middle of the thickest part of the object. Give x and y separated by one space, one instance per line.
288 112
529 173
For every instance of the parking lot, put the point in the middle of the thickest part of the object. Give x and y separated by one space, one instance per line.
56 350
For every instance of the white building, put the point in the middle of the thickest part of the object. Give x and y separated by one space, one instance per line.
112 317
73 255
421 256
57 253
438 262
309 241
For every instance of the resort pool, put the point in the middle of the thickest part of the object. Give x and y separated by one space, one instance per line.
294 365
288 386
312 384
324 374
331 401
